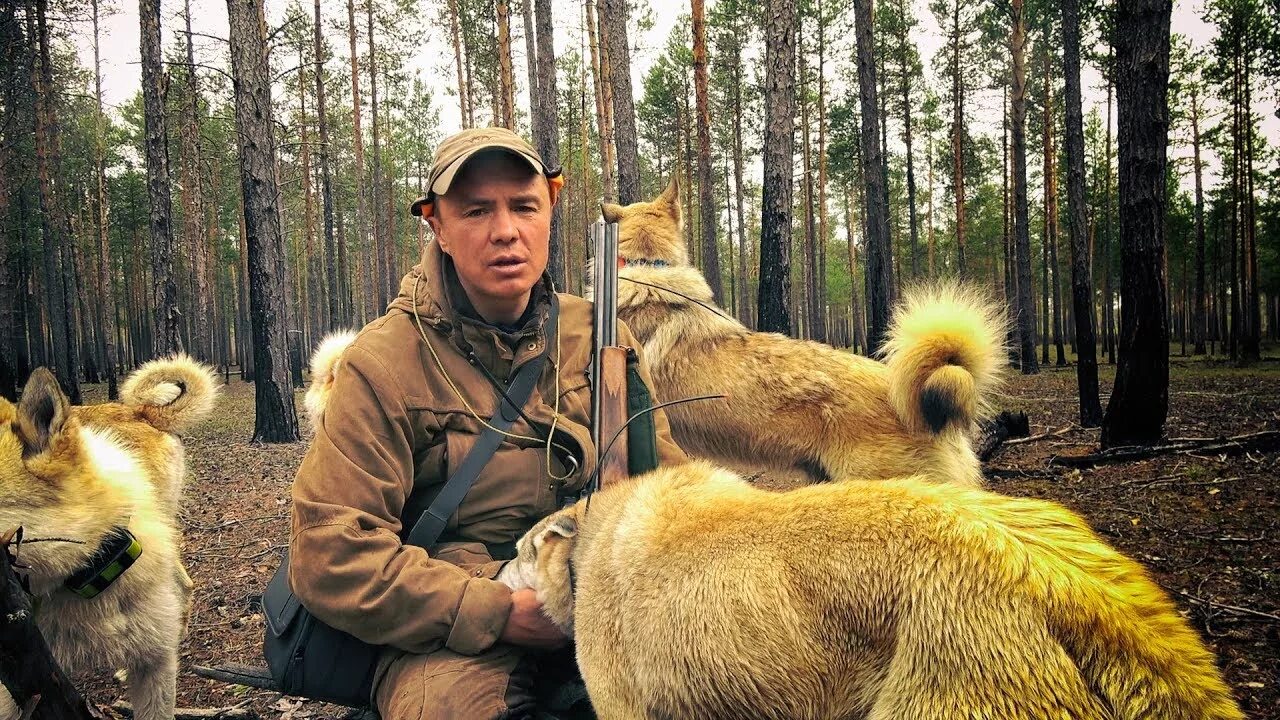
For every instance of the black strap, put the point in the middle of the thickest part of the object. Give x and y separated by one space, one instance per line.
432 522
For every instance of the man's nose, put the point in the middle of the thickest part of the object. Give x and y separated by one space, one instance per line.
503 229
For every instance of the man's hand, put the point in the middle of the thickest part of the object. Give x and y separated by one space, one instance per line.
528 626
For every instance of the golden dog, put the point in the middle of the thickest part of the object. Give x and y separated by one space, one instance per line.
693 595
799 404
100 477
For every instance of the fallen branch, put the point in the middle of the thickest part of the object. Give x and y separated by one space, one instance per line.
998 430
231 712
1042 436
27 668
1231 608
258 677
1265 441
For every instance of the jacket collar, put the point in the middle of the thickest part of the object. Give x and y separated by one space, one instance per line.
436 287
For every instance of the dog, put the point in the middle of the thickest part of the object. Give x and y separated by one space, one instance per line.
693 594
96 484
797 404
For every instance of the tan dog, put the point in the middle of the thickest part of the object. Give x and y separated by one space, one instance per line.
799 404
87 475
692 594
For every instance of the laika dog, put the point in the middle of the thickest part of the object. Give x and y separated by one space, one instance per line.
101 485
694 595
798 404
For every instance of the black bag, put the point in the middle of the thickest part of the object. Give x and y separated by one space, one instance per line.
307 658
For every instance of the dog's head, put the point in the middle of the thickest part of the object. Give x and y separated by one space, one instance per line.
544 562
47 482
650 230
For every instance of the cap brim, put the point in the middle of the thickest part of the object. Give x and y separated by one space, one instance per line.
442 182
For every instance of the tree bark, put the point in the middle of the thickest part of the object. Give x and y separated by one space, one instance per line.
1136 412
548 134
706 188
380 260
1022 230
506 78
275 417
1051 208
165 290
1199 328
1077 221
1108 304
878 250
599 83
775 219
614 15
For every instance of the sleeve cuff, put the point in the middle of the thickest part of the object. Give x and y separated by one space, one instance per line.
482 614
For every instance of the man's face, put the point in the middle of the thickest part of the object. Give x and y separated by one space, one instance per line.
495 222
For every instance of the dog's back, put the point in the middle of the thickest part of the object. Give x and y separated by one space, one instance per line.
700 596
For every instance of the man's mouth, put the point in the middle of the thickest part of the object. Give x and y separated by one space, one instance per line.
507 262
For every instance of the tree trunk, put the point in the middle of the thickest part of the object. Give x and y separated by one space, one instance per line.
613 14
382 272
773 314
106 299
957 140
330 264
1199 328
706 189
822 180
1140 400
54 225
1051 209
735 92
312 288
1108 304
165 293
601 84
808 300
275 417
1251 349
506 78
548 135
1077 220
1026 306
363 244
905 81
879 271
192 205
464 100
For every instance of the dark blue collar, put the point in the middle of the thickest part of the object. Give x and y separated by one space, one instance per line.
624 261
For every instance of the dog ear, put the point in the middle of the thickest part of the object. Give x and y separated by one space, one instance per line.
611 213
671 198
42 412
563 526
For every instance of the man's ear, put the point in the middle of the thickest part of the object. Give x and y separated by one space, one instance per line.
611 213
433 221
42 412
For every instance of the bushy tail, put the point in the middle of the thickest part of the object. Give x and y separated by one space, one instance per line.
174 393
944 353
324 366
1127 639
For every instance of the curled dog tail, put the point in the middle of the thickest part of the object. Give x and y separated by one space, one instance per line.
944 353
1130 645
324 367
173 393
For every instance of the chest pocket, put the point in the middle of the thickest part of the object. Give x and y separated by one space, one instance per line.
511 493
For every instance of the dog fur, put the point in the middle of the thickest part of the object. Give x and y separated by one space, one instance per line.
798 404
693 594
324 368
76 473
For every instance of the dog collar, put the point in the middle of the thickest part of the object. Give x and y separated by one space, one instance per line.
624 261
119 550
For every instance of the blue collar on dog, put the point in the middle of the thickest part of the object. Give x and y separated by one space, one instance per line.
116 553
624 261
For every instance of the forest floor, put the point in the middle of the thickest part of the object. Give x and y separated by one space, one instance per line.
1208 527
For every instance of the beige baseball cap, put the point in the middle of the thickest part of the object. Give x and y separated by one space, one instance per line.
456 149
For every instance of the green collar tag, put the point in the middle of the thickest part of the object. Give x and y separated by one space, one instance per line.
117 552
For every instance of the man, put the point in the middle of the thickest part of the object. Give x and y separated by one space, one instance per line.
412 394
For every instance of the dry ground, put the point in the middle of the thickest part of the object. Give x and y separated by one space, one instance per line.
1207 527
